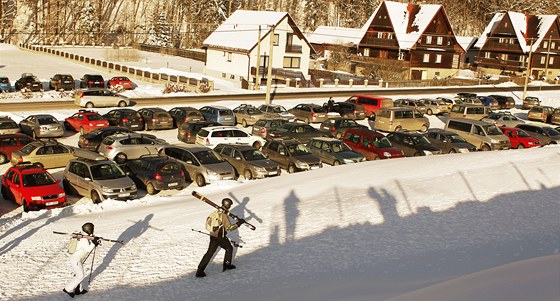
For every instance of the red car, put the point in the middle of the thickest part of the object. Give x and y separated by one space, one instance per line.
519 138
10 143
122 81
371 144
32 187
85 121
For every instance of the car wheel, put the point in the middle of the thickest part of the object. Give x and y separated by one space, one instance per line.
200 180
82 130
248 174
89 105
338 135
244 123
67 187
3 159
95 198
292 168
120 158
452 151
150 189
336 163
24 205
429 112
306 120
485 148
122 104
257 145
5 194
520 146
424 128
398 128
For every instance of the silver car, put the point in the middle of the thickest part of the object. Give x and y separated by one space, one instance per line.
41 126
97 178
8 126
203 165
276 111
122 147
91 98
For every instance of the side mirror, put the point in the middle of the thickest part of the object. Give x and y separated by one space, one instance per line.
58 181
238 158
87 179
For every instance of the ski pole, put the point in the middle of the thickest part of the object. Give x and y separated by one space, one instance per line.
91 269
87 256
235 244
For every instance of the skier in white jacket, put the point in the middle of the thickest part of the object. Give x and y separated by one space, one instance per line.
83 249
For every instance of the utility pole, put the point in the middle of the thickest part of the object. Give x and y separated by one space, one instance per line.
528 70
547 56
257 78
269 73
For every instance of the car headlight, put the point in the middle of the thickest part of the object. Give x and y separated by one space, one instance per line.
106 189
260 169
346 161
36 198
212 173
133 187
428 153
494 141
301 164
387 154
530 142
463 150
61 195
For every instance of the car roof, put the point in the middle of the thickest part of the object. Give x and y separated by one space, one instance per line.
189 147
238 146
365 132
221 127
155 109
326 139
124 110
370 96
28 168
217 107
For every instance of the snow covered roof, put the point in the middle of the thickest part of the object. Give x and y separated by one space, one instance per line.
466 42
336 35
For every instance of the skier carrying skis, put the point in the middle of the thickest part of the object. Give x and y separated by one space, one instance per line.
83 249
218 224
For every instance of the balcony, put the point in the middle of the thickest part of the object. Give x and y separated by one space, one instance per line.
495 63
502 47
368 41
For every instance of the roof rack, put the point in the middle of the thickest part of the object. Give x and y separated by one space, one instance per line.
27 164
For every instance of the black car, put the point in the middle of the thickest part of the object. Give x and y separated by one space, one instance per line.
337 126
92 140
29 81
301 132
185 114
346 109
62 82
449 142
127 118
413 143
263 126
505 102
188 130
156 173
92 81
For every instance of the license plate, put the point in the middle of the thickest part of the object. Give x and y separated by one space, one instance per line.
173 184
228 178
122 195
314 167
227 118
100 124
135 125
51 203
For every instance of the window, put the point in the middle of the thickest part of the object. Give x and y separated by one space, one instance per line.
276 40
291 62
545 44
551 60
543 60
438 58
401 56
426 58
428 39
229 54
552 45
439 40
379 35
487 55
366 51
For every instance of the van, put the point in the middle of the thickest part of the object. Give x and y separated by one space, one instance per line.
371 103
469 111
397 118
485 136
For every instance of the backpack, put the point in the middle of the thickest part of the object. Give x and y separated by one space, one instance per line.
72 245
214 221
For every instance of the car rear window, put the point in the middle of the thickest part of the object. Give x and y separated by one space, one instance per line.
47 120
169 167
95 117
8 125
203 133
319 110
225 112
4 80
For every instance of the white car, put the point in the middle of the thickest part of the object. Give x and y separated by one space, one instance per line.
214 135
91 98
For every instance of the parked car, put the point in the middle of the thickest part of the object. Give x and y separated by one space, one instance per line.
540 113
8 125
5 85
490 102
45 153
127 118
309 113
188 130
91 98
397 118
247 115
434 106
449 101
92 140
545 134
337 126
203 165
371 144
32 187
185 114
333 151
10 143
62 82
371 103
411 103
555 119
219 114
248 161
41 126
272 111
121 81
505 102
214 135
97 178
30 82
467 99
449 142
347 109
92 81
123 147
529 102
156 119
292 155
485 136
263 127
413 144
504 118
302 132
518 138
85 121
469 111
156 173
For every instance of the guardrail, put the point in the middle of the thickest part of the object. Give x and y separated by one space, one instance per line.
191 84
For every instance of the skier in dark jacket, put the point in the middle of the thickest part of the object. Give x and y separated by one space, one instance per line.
218 224
83 249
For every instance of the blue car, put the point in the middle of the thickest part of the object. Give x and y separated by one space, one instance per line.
488 101
5 84
219 114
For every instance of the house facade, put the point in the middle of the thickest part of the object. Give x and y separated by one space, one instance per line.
417 36
243 42
511 38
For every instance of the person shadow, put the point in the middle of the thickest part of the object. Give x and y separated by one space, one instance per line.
291 214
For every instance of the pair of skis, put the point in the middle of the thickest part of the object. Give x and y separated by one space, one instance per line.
209 202
80 235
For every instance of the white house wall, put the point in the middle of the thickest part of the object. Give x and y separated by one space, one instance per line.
218 64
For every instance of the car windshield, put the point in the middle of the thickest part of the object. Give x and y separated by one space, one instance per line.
381 142
283 129
106 172
279 109
416 140
253 111
456 139
38 179
95 117
522 133
493 130
298 149
253 155
551 132
46 120
208 157
338 147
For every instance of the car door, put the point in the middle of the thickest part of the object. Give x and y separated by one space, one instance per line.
15 187
8 182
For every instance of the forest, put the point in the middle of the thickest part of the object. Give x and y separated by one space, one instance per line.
186 23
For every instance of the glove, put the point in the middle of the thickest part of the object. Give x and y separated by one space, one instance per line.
240 222
96 241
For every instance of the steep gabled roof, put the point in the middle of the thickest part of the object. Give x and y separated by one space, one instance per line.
336 35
